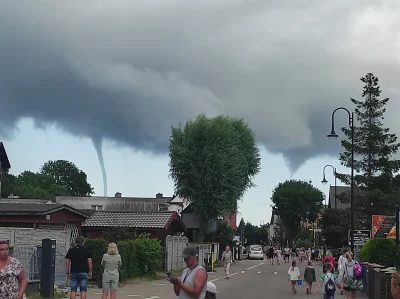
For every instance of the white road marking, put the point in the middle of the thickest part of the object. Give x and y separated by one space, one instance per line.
255 266
130 295
220 278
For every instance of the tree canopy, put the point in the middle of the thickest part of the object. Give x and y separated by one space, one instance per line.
296 201
69 176
374 147
212 163
43 185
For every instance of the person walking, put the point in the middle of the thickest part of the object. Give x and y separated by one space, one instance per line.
348 280
227 260
211 291
110 262
328 281
278 255
13 280
341 264
294 276
78 266
271 255
309 276
286 252
193 284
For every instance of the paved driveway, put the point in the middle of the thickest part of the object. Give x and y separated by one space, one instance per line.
249 280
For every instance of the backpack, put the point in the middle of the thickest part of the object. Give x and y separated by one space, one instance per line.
330 287
357 270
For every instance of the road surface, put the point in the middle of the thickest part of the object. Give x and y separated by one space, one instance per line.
249 280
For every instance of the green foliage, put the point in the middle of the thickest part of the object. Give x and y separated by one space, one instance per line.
116 234
223 235
303 243
97 247
70 177
48 183
140 257
334 226
32 185
295 201
255 235
212 164
374 148
379 251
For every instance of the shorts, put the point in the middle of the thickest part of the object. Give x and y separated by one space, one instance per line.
79 279
326 296
110 282
287 255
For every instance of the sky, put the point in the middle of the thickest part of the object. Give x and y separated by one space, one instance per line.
83 80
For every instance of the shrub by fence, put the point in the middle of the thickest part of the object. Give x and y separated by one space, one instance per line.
140 257
379 251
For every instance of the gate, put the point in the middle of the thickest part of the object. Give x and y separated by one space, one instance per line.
173 252
29 259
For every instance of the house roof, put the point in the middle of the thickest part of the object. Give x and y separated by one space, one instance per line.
28 209
337 204
132 219
5 163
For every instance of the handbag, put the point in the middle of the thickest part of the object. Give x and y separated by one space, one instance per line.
351 283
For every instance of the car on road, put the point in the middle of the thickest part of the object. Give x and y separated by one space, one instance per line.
255 252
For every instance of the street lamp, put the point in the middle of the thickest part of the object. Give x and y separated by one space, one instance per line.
333 135
324 181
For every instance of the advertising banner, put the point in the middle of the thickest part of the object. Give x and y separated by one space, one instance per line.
383 226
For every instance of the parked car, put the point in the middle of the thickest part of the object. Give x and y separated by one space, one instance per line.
255 252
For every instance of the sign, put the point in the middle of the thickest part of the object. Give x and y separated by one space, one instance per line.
383 226
360 237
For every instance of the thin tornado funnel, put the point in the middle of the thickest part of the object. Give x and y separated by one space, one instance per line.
97 143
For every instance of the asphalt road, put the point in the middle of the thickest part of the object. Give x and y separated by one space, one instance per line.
249 280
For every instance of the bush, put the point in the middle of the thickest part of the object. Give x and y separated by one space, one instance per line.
96 247
140 257
379 251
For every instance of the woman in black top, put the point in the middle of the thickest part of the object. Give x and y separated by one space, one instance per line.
271 255
309 276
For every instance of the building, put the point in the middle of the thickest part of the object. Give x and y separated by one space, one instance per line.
273 226
116 203
4 163
334 202
156 224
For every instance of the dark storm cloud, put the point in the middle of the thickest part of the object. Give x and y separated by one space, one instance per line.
125 71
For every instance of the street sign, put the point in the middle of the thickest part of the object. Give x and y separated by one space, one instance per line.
360 237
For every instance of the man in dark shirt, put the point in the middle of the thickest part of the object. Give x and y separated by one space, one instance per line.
79 267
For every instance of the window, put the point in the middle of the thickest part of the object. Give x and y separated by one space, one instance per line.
97 208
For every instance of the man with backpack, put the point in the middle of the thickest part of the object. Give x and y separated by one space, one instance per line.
328 282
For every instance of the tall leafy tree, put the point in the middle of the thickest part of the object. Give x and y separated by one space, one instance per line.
374 148
295 201
69 176
212 163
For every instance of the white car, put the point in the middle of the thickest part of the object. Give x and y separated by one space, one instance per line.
255 252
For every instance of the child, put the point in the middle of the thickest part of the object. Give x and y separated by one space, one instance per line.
327 280
309 277
294 276
211 292
278 256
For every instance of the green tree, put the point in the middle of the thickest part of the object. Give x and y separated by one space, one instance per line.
295 201
69 176
212 164
36 186
374 148
223 235
334 226
8 185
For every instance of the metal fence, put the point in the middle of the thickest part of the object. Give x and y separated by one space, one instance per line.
29 258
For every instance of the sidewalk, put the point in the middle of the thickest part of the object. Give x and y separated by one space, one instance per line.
163 289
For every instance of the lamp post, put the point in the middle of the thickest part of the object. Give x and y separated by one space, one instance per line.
324 181
333 135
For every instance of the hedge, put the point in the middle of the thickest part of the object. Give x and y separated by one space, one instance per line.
140 257
379 251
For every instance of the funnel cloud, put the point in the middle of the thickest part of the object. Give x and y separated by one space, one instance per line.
127 71
97 143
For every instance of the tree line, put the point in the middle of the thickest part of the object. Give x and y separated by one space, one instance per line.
55 178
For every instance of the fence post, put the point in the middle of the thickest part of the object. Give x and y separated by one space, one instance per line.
39 260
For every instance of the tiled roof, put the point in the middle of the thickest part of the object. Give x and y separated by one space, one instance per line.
21 209
129 219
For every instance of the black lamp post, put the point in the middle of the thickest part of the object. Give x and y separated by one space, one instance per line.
333 135
324 181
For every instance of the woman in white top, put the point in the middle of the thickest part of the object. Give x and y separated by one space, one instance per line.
294 276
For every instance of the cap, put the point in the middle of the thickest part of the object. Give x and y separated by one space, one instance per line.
189 251
211 288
